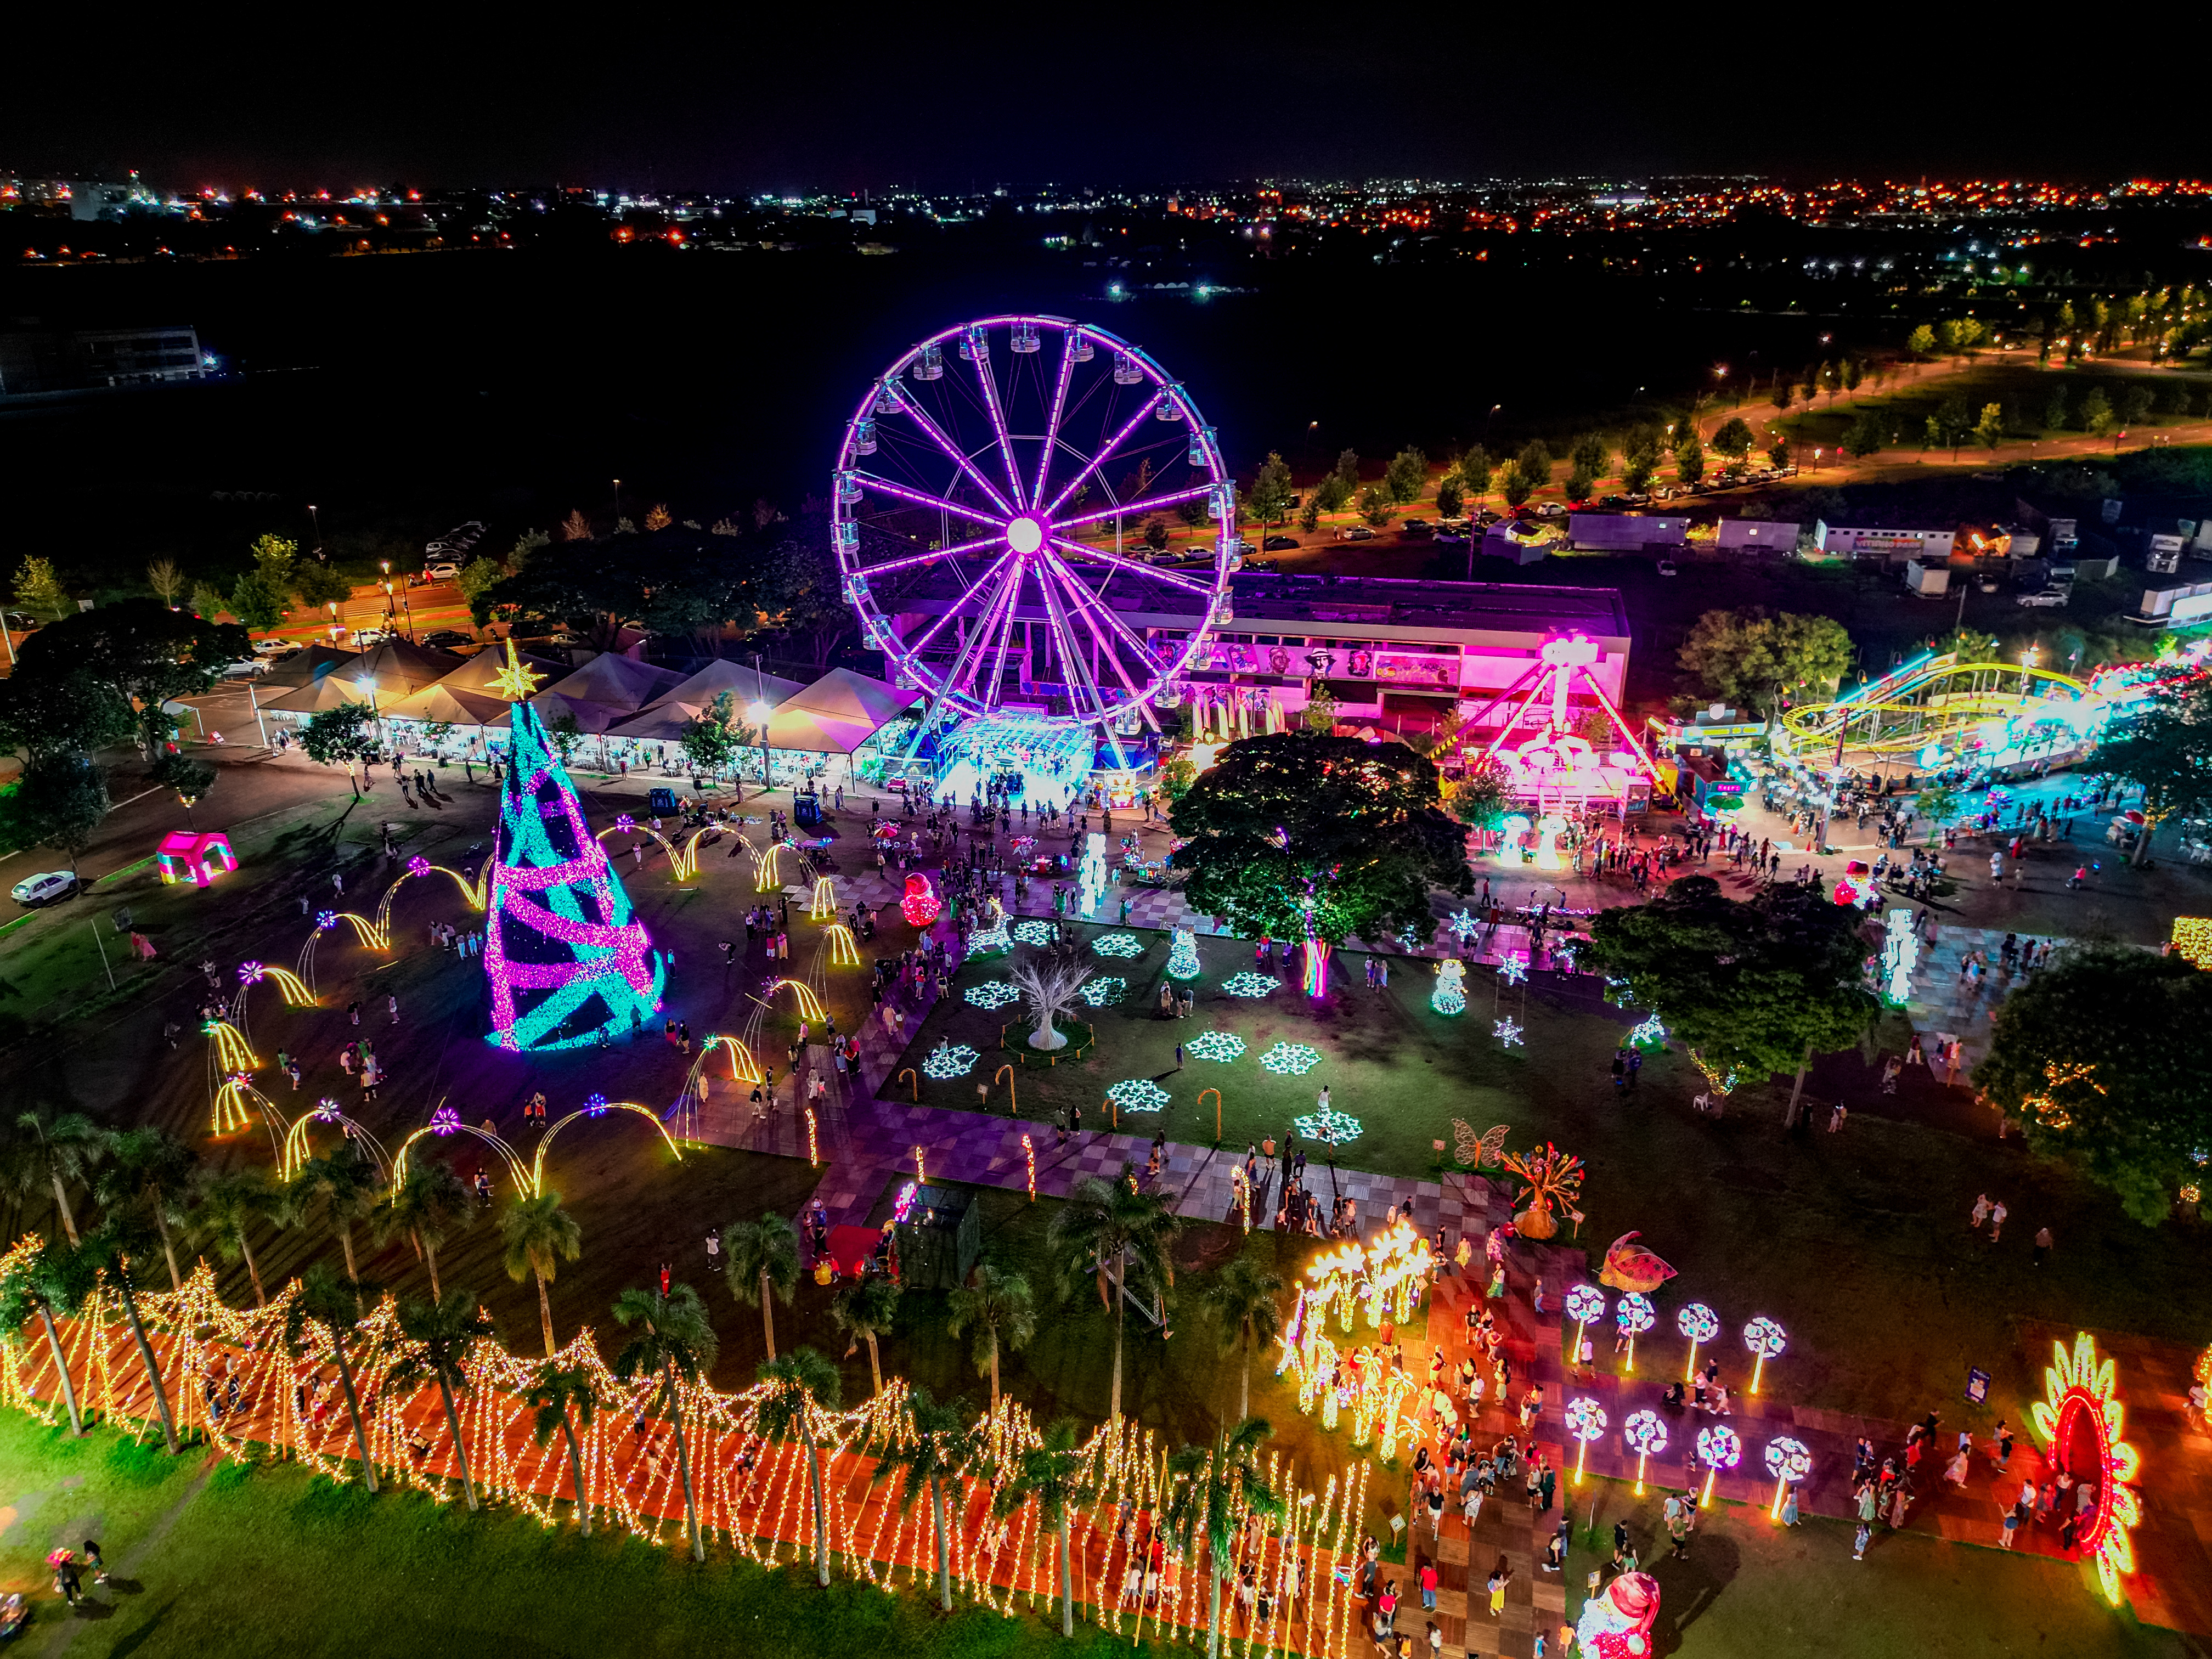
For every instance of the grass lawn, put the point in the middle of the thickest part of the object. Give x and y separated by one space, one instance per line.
1857 1242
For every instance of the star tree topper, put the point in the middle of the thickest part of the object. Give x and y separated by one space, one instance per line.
515 682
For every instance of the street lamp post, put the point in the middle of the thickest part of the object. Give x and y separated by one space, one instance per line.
757 711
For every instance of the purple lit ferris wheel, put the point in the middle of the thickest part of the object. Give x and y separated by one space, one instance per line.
991 515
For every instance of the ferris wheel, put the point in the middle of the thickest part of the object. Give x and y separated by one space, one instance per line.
999 505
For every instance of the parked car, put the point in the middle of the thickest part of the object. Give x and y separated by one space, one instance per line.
1987 582
442 571
48 889
1550 510
365 637
1355 533
1451 538
1667 567
276 650
449 637
1486 518
2049 598
19 622
245 668
1278 543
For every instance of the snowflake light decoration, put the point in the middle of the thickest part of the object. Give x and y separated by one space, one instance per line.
251 973
2081 1417
595 1105
418 866
991 994
445 1121
1250 985
1118 944
1651 1032
950 1059
1290 1058
1105 989
990 941
326 1109
1507 1033
625 823
1463 925
325 920
1030 930
1331 1127
1216 1045
1565 956
1513 970
1137 1094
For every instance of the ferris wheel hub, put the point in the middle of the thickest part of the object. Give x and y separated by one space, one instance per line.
1025 534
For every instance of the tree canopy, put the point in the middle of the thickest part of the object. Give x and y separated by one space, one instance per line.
1298 835
1747 985
2168 748
139 653
2105 1054
1743 655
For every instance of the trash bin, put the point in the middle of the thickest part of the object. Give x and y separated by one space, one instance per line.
662 801
806 810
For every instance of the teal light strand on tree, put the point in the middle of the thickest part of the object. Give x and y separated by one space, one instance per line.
569 962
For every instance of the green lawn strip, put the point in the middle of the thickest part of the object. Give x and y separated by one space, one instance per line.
1857 1242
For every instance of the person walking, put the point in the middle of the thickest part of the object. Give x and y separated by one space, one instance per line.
1997 1221
1981 1213
1790 1506
2042 1245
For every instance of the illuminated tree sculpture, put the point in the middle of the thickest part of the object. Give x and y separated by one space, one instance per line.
569 959
1555 1181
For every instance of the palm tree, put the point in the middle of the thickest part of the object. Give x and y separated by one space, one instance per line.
761 1262
152 1167
51 1282
538 1234
448 1330
865 1310
63 1147
802 1382
940 1440
224 1208
429 1209
1053 1473
1109 1231
1217 1485
562 1397
679 1342
1241 1298
998 1305
347 1188
114 1245
337 1302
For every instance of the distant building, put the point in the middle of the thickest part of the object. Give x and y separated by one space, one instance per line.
49 360
1763 534
1626 531
92 199
1894 546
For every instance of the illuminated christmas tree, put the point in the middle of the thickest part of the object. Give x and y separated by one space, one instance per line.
1183 957
568 957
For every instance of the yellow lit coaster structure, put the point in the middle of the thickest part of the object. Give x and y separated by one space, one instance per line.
1938 711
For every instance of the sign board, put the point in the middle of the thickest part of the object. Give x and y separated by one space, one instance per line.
1978 1385
1401 668
2192 609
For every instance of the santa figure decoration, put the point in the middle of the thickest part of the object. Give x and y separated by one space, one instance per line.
1616 1624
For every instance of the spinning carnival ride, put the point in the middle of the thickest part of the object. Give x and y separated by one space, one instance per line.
989 488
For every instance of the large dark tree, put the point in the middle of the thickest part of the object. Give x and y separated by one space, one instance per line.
1318 838
56 713
2168 748
2106 1057
139 653
1752 987
594 587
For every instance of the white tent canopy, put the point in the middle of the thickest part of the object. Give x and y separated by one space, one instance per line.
838 714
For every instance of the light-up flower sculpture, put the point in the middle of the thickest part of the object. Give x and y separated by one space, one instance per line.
1645 1434
1700 1324
445 1121
251 973
1718 1448
1585 1422
1585 1305
1766 1339
1788 1460
2083 1419
1635 1316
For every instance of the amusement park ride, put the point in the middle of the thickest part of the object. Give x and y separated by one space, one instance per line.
1017 466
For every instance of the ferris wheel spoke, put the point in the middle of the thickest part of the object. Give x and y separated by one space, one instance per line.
936 435
1094 609
1059 409
920 643
1077 673
990 389
1144 413
923 498
1100 555
1004 602
1131 509
998 680
911 560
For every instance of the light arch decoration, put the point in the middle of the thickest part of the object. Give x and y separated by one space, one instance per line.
2082 1421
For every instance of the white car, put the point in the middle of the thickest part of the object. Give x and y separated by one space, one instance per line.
245 668
444 571
35 890
275 649
2049 599
1667 567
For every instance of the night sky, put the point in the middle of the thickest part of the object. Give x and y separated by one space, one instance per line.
777 100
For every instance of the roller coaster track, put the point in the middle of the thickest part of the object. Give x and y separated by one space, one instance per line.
1935 699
